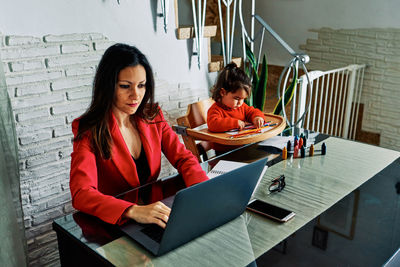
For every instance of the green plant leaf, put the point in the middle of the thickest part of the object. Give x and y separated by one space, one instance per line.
288 94
253 62
259 80
254 89
261 87
250 57
251 72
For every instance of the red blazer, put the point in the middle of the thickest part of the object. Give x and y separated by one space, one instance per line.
94 181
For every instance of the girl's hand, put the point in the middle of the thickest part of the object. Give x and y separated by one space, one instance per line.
258 122
241 124
157 213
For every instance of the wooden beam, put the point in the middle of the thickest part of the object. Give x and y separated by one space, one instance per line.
187 32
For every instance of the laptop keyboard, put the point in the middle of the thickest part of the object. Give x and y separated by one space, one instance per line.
154 231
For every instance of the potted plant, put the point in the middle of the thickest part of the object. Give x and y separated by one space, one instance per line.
259 84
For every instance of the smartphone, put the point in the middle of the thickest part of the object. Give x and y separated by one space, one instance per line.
271 211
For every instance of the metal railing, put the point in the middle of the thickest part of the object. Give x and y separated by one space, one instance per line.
292 67
227 42
164 13
326 102
334 100
199 19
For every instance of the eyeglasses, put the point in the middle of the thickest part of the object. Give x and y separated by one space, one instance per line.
277 184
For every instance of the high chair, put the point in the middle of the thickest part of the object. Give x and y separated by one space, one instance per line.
197 138
196 116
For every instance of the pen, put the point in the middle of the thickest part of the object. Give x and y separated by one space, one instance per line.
252 131
246 133
251 126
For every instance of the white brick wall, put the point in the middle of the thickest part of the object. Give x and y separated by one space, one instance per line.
49 80
380 50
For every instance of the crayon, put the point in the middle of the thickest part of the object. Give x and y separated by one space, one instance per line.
296 151
302 152
289 145
311 150
284 153
323 149
246 132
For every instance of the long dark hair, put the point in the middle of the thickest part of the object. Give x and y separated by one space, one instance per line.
231 78
97 116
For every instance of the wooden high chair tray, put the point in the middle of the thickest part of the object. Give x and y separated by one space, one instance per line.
227 139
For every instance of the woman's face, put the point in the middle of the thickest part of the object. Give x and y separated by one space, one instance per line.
130 89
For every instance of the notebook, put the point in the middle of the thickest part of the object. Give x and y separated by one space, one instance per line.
199 209
224 166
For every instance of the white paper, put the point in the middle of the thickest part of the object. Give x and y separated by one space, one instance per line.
277 141
224 166
259 179
281 141
263 130
201 127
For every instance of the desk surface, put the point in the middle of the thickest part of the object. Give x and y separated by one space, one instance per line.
313 185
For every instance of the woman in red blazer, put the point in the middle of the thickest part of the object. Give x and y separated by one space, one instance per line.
118 142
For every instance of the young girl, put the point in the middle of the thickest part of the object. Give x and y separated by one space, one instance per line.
229 110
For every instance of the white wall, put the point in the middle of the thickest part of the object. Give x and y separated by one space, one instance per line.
292 19
47 96
132 22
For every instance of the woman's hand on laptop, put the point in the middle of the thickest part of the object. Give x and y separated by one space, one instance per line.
157 213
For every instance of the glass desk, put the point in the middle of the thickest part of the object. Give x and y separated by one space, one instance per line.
360 178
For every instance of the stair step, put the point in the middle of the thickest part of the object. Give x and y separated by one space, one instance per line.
187 32
217 63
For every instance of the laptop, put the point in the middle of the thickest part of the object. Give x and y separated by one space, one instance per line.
199 209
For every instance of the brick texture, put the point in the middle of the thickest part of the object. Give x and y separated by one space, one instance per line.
380 50
49 80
